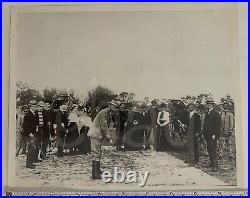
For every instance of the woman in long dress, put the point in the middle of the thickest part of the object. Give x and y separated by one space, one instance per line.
84 125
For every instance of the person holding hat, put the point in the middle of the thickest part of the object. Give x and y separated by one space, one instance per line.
30 127
211 132
98 132
227 124
193 132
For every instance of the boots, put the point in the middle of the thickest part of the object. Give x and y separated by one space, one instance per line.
98 167
96 171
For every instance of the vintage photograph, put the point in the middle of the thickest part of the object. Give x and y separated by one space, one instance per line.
125 98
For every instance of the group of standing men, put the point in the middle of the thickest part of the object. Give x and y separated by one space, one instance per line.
133 129
67 128
203 121
36 131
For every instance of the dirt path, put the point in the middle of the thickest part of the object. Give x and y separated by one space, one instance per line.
74 172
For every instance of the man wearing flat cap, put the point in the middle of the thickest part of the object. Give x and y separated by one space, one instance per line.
98 132
211 132
227 124
30 127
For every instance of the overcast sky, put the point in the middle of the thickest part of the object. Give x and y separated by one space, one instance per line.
164 54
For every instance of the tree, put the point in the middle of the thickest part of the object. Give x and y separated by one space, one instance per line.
100 96
49 94
24 94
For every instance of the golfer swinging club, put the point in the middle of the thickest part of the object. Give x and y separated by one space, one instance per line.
97 133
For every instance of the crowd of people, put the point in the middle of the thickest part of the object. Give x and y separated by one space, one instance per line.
81 130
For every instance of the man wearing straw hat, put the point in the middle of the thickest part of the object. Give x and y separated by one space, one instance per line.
97 133
211 132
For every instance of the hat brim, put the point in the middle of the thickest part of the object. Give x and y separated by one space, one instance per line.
211 102
111 103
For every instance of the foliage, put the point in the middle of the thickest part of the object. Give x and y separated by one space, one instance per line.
100 96
24 94
49 94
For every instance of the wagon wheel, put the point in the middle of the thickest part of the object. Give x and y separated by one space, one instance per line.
176 136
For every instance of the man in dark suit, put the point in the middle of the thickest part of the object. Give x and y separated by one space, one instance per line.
193 132
61 121
46 130
211 132
121 118
30 127
144 122
153 113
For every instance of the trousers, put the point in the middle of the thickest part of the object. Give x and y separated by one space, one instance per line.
225 143
212 151
32 150
96 150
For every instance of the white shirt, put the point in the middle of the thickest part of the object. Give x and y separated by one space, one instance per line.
191 114
85 120
32 111
210 110
73 117
165 118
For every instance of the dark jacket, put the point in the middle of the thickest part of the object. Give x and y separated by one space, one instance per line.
93 114
30 123
61 118
197 123
144 118
47 118
212 124
153 113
